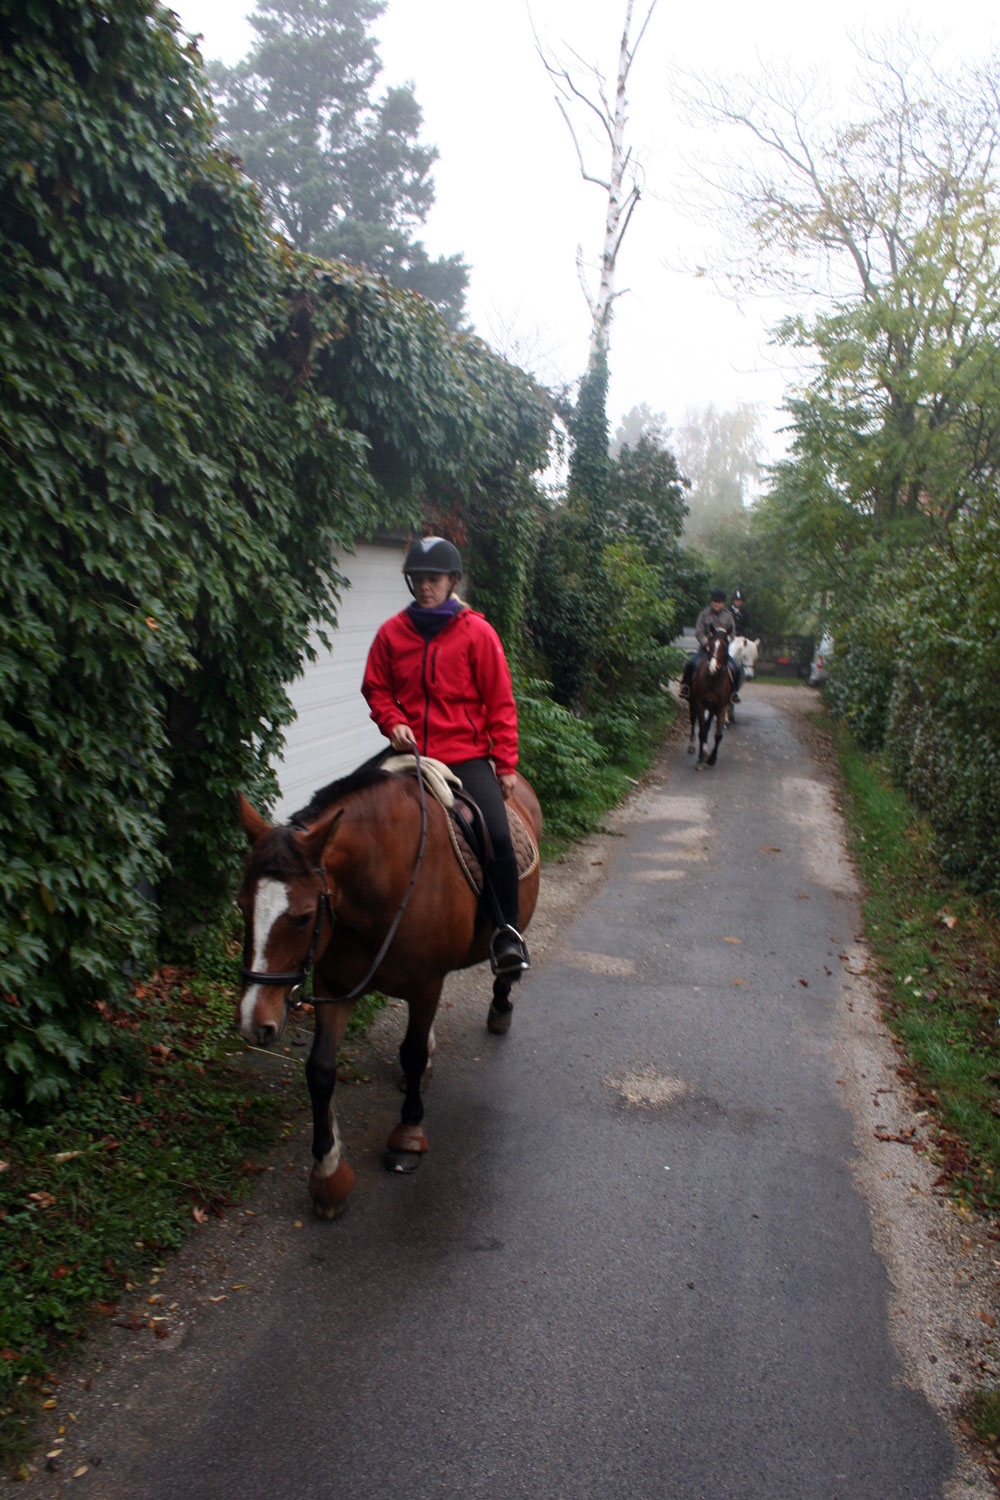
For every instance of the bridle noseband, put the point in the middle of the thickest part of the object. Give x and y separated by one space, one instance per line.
298 995
296 998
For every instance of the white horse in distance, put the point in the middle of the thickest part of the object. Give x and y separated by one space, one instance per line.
744 653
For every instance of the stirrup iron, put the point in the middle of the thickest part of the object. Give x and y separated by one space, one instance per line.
509 967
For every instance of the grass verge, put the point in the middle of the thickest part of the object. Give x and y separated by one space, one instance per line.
164 1134
937 949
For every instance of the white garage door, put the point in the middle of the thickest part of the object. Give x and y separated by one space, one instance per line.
332 733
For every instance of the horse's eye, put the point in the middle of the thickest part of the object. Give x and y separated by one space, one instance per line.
299 922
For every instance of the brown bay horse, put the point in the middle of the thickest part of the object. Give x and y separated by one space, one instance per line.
364 887
711 687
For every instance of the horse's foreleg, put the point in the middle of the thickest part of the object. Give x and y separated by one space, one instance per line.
719 721
407 1143
694 719
704 720
331 1178
501 1011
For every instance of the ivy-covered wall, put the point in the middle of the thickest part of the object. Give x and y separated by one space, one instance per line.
192 420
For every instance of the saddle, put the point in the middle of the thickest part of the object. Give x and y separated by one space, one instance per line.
467 829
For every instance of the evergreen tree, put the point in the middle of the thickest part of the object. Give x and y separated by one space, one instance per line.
341 171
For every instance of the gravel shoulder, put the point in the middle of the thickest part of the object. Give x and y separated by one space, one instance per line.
944 1270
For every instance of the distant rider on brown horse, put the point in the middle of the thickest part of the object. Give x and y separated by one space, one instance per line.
715 616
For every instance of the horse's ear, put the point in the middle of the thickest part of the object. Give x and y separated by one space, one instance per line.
253 824
757 643
315 841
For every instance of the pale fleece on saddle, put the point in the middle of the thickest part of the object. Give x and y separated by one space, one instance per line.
438 777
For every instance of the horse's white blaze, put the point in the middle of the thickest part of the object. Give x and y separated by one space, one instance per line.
328 1164
270 902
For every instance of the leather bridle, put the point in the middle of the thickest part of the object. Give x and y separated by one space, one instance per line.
297 981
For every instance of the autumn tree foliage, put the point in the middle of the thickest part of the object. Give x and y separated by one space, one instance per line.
884 223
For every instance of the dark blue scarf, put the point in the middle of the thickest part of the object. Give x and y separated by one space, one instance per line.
430 622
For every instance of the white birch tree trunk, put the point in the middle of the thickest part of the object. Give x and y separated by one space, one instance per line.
620 182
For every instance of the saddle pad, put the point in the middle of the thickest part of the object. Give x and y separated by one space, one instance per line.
524 848
439 780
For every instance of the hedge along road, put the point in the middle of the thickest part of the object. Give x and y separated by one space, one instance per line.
640 1258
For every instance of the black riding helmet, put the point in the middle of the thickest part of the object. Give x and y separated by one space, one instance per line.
433 554
718 594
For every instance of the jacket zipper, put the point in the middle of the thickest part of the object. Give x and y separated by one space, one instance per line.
427 695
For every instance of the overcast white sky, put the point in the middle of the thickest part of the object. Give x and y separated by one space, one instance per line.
509 194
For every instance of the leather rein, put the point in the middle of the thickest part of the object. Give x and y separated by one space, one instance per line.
298 994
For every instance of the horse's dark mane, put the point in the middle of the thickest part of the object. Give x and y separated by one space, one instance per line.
365 775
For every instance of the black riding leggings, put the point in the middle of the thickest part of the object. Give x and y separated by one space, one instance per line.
479 780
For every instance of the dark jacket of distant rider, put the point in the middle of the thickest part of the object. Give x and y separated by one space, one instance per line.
741 616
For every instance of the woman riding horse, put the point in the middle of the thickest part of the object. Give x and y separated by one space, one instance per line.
437 680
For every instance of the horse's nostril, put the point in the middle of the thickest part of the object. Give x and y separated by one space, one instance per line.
266 1034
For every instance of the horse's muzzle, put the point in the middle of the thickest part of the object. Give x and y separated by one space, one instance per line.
262 1015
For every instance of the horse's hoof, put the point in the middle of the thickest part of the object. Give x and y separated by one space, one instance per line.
330 1194
498 1021
690 749
410 1139
328 1211
401 1161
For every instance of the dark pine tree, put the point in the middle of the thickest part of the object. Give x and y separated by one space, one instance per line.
341 169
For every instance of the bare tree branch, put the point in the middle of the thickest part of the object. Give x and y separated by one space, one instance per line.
612 119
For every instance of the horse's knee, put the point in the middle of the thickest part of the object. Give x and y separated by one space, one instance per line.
414 1055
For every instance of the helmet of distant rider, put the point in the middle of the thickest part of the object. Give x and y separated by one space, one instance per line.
718 596
433 554
738 597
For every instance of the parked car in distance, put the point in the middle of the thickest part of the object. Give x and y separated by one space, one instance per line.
819 667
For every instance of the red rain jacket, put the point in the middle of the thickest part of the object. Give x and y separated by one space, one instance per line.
454 691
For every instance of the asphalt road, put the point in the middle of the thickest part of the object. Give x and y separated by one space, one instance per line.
634 1262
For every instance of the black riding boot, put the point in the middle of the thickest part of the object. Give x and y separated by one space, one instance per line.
508 953
508 950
